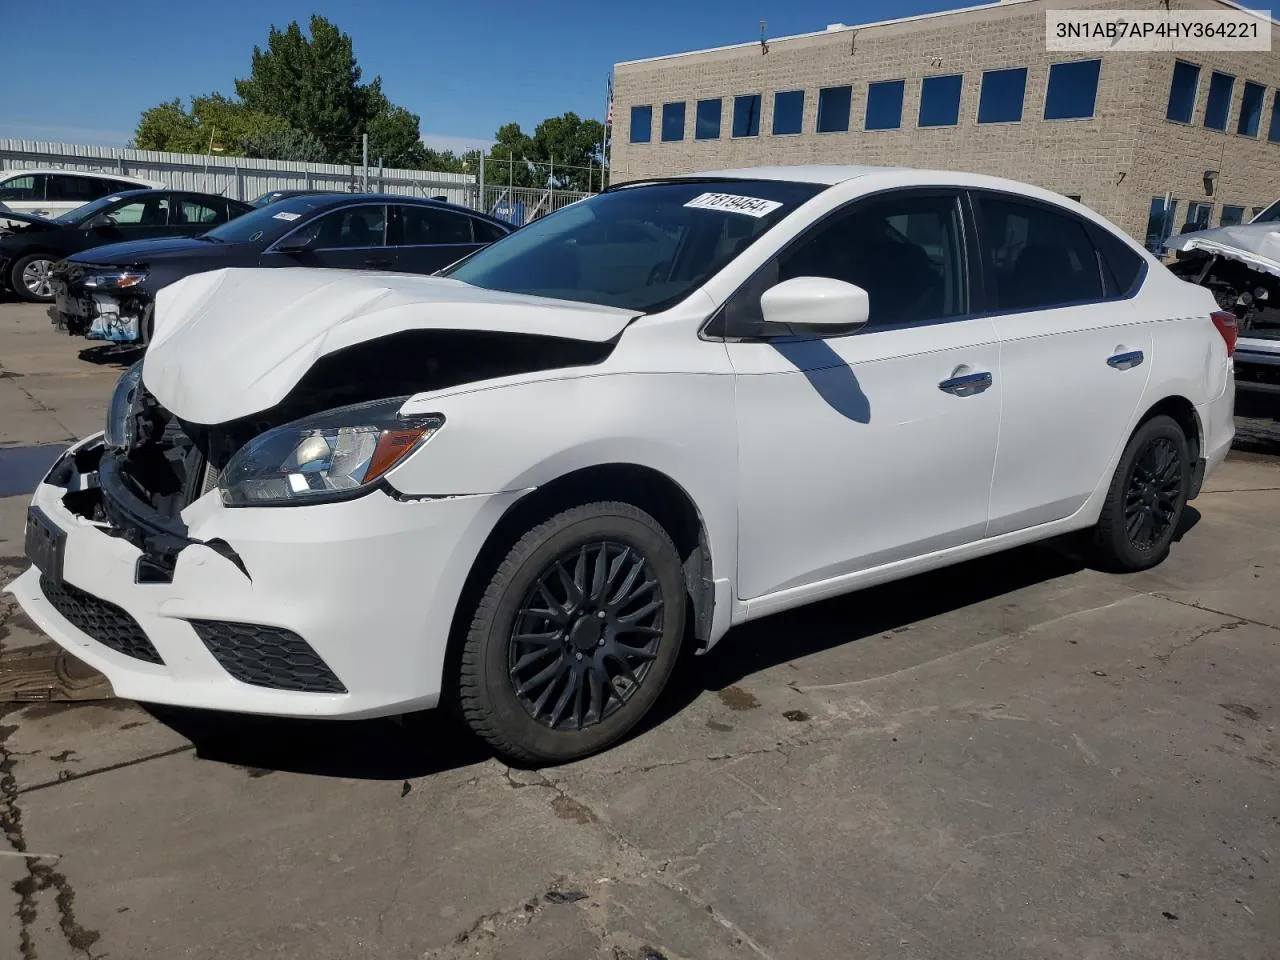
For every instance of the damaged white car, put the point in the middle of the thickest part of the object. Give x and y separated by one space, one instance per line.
1240 265
671 408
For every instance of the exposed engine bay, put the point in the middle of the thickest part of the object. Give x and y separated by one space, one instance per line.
1240 265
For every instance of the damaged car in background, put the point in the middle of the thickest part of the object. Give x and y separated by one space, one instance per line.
522 487
109 293
1240 266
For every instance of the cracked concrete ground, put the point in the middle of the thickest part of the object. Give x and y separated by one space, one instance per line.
1018 757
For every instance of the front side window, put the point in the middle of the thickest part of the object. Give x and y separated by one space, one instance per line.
1073 90
1221 86
905 249
1182 92
833 109
1231 216
746 115
1034 257
672 121
884 105
1251 109
1160 219
27 187
1002 94
354 227
641 124
427 226
788 112
643 248
940 101
707 123
151 212
1197 217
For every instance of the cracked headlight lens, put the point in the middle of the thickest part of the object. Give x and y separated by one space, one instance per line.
329 456
120 422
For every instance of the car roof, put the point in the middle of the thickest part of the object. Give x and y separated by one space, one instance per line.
100 174
829 174
334 199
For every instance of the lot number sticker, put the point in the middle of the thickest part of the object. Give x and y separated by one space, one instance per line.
732 203
285 215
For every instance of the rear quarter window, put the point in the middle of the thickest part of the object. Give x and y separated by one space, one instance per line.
1122 267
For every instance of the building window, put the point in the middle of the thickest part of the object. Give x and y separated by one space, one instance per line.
940 101
746 115
1073 90
641 124
884 105
788 112
1197 217
833 109
1231 216
1273 130
1182 92
1002 94
672 121
707 122
1218 109
1074 196
1251 109
1160 222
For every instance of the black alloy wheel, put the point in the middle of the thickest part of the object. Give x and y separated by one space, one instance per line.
1151 502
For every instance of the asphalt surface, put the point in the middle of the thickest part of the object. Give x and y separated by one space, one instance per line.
1017 757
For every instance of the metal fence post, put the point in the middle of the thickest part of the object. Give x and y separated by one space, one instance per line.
482 206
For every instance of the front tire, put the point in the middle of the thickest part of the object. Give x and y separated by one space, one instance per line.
1146 498
31 278
575 636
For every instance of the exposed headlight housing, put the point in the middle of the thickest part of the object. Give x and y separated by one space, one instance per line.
121 425
329 456
114 279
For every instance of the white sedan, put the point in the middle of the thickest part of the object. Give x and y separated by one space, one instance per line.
524 486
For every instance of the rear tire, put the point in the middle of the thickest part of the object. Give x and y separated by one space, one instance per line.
575 636
1146 499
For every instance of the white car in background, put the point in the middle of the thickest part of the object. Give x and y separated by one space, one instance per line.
50 193
524 485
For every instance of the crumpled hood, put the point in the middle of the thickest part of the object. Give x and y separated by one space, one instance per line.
1254 244
233 342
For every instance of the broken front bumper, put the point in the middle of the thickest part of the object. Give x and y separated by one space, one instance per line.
339 609
97 316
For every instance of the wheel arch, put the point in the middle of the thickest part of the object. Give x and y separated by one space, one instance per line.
1183 412
645 487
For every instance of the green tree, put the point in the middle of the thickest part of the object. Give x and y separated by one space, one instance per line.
571 146
286 145
213 124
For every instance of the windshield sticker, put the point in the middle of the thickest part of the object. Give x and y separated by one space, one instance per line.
751 206
286 215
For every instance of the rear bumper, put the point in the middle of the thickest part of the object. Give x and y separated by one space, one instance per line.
368 587
1217 420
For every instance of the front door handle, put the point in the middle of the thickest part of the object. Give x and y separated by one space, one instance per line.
1125 361
967 385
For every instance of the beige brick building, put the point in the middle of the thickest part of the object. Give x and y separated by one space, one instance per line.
1108 139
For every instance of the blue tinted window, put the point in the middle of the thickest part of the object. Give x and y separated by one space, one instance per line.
1160 224
884 105
1218 109
707 122
1273 131
788 111
1197 217
1231 216
1251 109
673 121
1002 94
1073 90
940 101
746 115
641 124
1182 92
833 109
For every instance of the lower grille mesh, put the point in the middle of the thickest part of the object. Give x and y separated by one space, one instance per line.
103 621
267 656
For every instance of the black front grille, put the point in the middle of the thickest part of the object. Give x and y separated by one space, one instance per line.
267 656
103 621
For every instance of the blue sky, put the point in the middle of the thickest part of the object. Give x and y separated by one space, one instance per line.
464 68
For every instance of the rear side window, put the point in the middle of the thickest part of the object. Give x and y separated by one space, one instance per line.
423 226
1122 268
66 188
193 211
1034 256
486 232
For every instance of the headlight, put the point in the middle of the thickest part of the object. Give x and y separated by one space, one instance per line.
114 280
120 421
329 456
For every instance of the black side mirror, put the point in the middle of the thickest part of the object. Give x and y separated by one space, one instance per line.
100 222
295 242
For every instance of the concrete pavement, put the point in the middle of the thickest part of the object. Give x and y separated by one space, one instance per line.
1017 757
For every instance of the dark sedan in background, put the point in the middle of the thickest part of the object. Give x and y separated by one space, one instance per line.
108 293
29 251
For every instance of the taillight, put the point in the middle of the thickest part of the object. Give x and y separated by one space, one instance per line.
1226 324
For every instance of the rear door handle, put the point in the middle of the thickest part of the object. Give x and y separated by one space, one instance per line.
966 385
1125 361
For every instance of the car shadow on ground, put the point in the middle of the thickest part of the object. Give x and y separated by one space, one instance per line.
421 744
112 354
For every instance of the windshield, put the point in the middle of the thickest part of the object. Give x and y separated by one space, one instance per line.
89 209
1269 215
267 223
641 248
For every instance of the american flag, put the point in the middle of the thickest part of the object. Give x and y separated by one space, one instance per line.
608 116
